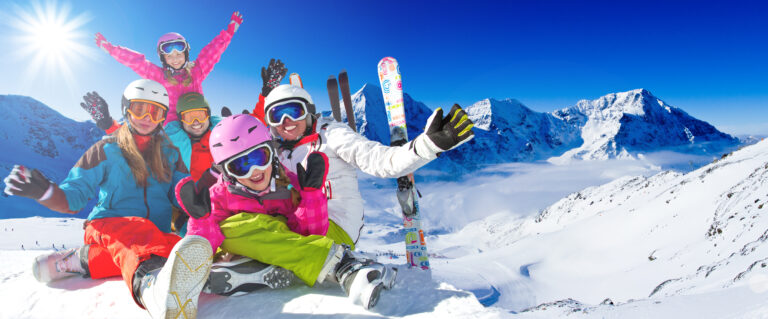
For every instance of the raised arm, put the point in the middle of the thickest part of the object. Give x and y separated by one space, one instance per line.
311 216
441 134
95 105
132 59
211 53
205 212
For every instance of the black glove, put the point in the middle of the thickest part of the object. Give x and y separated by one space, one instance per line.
272 75
449 132
23 182
317 169
98 109
225 112
196 196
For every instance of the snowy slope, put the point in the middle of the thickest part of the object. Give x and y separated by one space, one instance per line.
24 297
665 237
36 136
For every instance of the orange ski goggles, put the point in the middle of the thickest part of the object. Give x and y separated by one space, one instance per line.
140 109
190 116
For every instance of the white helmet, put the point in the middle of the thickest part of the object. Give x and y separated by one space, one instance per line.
288 92
144 89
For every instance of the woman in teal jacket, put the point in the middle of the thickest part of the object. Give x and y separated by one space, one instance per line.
128 232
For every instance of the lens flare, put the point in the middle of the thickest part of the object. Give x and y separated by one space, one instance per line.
48 41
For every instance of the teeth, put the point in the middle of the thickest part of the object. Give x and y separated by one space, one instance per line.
258 178
290 128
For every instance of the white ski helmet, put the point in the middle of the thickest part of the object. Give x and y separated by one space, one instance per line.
288 92
144 89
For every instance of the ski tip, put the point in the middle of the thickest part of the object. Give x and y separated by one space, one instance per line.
387 59
331 77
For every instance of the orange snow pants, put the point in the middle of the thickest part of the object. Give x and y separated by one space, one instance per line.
119 244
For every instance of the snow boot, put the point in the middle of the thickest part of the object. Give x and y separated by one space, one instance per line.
361 278
244 275
61 264
172 291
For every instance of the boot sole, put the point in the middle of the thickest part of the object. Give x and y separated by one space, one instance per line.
191 264
247 277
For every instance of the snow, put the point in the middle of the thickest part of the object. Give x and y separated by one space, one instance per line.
618 238
619 241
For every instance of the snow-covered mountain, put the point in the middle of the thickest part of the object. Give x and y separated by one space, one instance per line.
618 125
36 136
624 124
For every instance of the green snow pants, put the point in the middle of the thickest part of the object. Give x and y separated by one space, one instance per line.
268 239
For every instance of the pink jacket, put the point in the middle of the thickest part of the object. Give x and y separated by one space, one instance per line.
204 63
309 218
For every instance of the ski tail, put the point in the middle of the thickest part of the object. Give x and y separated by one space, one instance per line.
333 95
296 80
347 97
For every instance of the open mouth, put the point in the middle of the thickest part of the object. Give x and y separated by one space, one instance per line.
289 128
257 178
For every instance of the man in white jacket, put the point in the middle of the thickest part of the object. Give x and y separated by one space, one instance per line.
289 109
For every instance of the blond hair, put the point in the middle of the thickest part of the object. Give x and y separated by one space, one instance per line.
187 80
138 161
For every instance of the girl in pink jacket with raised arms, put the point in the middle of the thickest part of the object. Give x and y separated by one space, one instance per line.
178 75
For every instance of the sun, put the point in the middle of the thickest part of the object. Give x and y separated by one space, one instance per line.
48 40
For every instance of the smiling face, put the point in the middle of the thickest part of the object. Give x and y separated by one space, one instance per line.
196 129
291 130
176 59
259 180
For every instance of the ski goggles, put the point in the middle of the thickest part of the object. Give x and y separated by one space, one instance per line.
293 109
190 116
173 45
140 109
243 165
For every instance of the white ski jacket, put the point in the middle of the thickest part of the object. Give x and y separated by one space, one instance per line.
347 152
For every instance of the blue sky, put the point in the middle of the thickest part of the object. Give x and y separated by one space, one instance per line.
707 58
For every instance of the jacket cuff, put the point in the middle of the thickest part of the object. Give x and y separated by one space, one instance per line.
112 128
425 148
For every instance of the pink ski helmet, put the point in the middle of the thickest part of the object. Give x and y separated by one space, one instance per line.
236 134
169 38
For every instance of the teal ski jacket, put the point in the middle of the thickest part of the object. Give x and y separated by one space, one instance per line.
104 171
